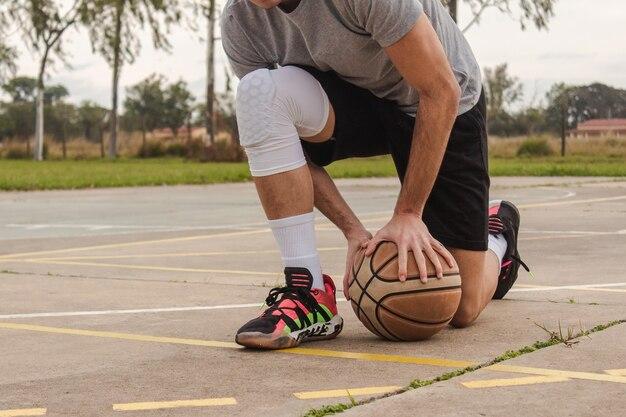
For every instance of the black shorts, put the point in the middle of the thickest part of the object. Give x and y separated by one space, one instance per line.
456 211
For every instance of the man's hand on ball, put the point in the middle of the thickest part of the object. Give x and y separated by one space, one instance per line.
357 240
409 233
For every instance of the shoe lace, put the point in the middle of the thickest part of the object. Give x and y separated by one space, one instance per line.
523 264
296 294
496 225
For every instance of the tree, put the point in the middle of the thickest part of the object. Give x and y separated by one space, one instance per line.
43 23
145 102
581 103
61 121
55 94
178 106
17 121
21 89
114 26
503 90
537 12
92 120
8 54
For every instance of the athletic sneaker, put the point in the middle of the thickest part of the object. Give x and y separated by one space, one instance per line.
504 218
296 314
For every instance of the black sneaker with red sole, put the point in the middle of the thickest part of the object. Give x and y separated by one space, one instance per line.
504 218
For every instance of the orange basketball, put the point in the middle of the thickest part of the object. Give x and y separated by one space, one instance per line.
397 310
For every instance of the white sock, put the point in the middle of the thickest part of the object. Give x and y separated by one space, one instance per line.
497 244
295 237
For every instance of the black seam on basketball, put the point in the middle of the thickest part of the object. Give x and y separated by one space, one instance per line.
415 292
364 293
378 303
383 264
372 328
409 277
423 323
355 273
398 339
417 277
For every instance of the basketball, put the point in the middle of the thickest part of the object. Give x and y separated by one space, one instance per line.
402 311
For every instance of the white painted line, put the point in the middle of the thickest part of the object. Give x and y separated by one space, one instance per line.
568 202
134 311
568 287
573 232
258 305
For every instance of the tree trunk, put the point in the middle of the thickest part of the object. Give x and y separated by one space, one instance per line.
64 143
210 82
101 140
189 127
143 137
39 124
116 79
39 118
453 6
563 127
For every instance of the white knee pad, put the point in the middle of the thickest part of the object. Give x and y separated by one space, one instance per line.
275 108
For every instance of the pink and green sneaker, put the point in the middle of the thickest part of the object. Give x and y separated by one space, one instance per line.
296 314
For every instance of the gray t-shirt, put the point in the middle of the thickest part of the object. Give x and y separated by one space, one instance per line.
348 37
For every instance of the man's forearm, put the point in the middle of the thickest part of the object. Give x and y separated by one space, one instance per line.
433 123
329 201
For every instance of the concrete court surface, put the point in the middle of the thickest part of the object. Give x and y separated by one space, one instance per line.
125 302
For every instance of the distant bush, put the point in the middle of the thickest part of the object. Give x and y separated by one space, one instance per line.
176 149
20 152
223 151
535 147
151 150
17 153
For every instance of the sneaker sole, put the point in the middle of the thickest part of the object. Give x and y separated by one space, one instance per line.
320 331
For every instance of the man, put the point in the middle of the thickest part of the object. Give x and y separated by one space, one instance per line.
323 80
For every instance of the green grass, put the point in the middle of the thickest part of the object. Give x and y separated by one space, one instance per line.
577 166
49 175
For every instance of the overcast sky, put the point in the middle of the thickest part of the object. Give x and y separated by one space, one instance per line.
585 43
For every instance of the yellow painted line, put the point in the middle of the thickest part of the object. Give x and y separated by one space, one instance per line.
512 382
375 357
160 405
348 392
120 336
153 268
589 376
617 372
130 244
217 344
24 412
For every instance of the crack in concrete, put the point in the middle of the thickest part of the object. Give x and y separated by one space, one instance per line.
416 384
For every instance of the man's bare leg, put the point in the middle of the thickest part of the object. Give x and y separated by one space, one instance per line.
286 194
479 279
